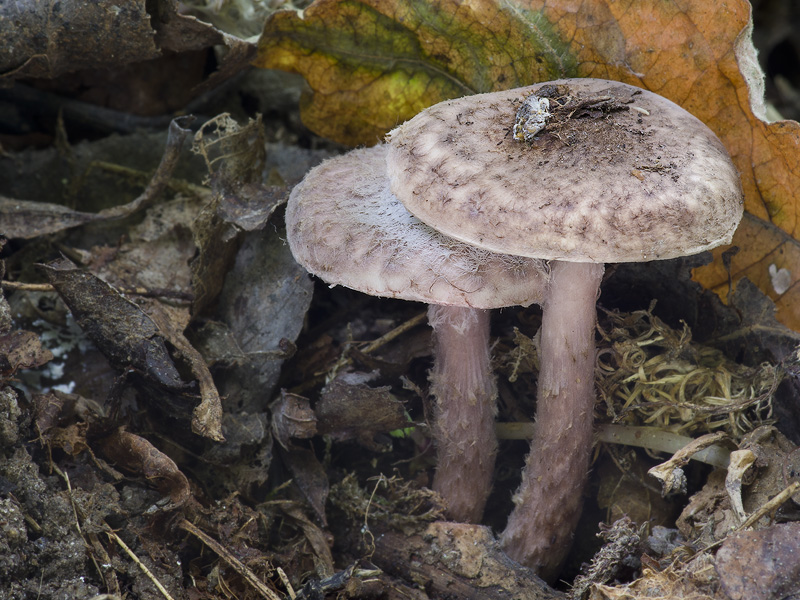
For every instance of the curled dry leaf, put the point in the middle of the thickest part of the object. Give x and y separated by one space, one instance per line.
292 417
135 454
132 339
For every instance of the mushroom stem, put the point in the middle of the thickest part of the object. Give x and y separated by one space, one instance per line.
466 405
550 497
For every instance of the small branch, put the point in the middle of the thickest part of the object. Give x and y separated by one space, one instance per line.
138 291
139 564
229 558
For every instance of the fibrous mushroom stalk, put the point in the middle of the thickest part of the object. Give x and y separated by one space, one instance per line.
466 406
550 497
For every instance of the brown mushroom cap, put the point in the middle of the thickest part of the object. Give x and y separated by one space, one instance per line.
345 226
618 174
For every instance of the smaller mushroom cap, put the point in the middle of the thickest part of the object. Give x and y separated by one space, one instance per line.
345 226
599 172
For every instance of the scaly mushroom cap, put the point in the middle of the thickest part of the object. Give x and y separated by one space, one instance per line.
345 226
617 174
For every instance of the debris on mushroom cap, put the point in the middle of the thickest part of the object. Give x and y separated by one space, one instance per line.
531 118
345 226
617 174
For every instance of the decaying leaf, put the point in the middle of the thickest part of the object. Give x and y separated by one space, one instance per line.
372 64
693 581
125 334
348 408
63 420
263 303
134 453
21 350
28 219
313 534
310 478
132 339
292 417
243 462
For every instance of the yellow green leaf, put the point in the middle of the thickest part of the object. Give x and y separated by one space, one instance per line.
374 64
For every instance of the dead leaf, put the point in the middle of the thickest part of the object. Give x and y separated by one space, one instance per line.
316 538
125 334
29 219
234 156
134 453
769 257
21 350
129 337
372 64
264 301
243 462
310 478
292 417
348 408
761 565
207 415
676 582
712 513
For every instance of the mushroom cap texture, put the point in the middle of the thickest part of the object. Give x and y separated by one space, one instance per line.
619 174
345 226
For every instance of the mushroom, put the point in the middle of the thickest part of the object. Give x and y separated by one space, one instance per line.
579 172
345 226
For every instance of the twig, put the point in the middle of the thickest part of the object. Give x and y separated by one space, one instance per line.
91 540
771 505
137 291
377 343
229 558
140 564
372 346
